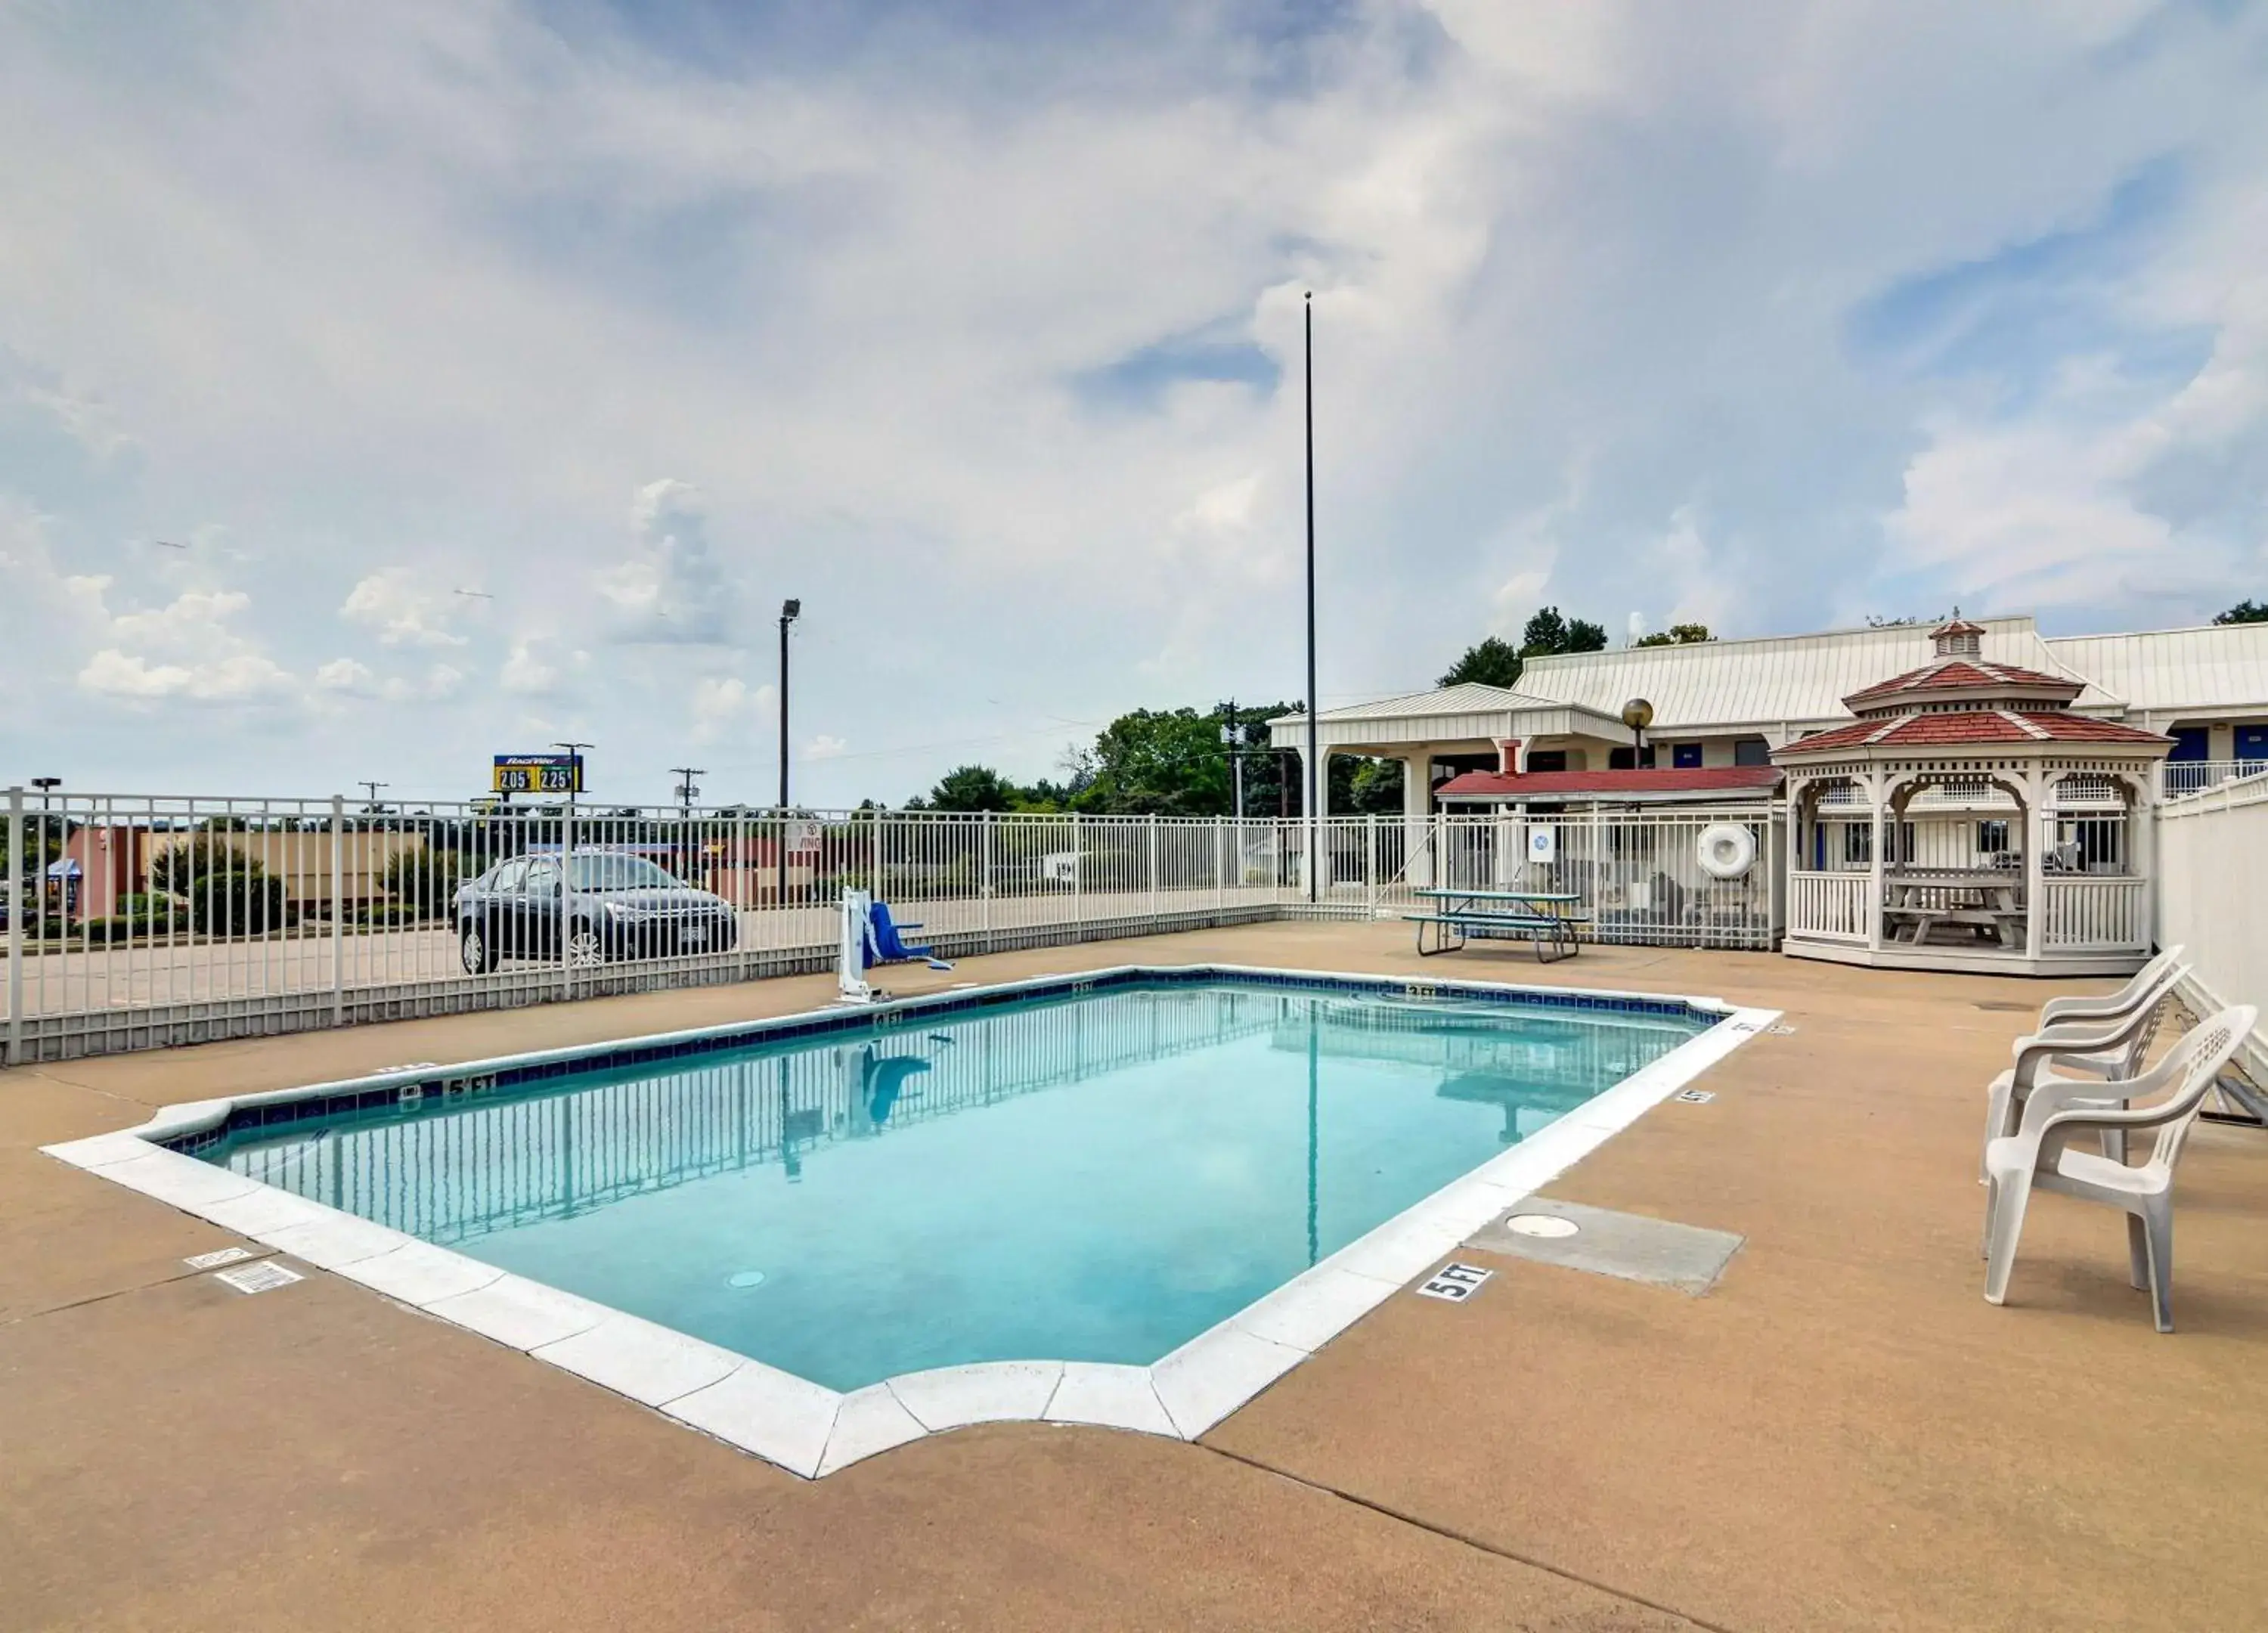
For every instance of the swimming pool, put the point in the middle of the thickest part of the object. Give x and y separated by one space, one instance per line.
1082 1183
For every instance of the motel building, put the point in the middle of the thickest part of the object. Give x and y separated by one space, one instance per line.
1977 796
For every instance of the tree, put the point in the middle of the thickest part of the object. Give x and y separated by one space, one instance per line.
972 788
227 890
1362 786
1491 663
1550 631
1678 635
426 879
1158 762
2247 611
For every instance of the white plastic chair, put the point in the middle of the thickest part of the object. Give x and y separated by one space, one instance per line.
2111 1051
2110 1005
2039 1155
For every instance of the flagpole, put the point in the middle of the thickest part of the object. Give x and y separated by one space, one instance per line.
1315 764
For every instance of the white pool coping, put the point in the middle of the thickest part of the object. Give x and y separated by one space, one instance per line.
812 1431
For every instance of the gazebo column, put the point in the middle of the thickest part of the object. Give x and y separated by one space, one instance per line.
2142 849
1417 811
1877 793
2035 873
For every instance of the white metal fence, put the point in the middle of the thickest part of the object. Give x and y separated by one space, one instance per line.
140 921
2213 897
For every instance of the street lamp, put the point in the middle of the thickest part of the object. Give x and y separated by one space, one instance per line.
1638 713
1228 738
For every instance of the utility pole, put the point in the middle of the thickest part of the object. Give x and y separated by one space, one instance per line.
789 611
687 791
371 789
1234 737
1313 806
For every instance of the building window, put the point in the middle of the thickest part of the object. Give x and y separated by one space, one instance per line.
1991 838
1686 756
1859 843
1547 759
1751 750
1630 759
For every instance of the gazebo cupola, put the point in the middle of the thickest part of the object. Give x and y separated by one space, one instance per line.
1967 819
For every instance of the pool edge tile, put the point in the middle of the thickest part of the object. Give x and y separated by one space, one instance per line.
774 1415
1314 1308
1105 1396
870 1421
651 1364
418 1273
983 1392
1215 1373
336 1240
518 1314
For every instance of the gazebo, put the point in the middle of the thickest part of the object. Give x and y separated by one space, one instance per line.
1968 820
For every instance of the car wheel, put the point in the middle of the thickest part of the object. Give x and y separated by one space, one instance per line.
585 950
480 953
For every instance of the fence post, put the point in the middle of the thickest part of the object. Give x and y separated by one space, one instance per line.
874 859
1219 867
338 909
16 905
1153 871
1370 862
1078 874
741 871
566 897
985 884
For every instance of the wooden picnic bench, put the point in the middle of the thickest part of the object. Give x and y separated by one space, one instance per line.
1538 917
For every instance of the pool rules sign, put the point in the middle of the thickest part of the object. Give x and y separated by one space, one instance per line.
1456 1282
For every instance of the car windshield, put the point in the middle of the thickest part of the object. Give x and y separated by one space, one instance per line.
619 872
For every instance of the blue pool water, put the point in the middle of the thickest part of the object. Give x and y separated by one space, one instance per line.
1095 1177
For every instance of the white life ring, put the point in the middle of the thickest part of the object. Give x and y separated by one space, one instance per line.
1725 850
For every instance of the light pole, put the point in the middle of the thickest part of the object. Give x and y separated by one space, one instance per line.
573 750
372 787
791 610
1314 785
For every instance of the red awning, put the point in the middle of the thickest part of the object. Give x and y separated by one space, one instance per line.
1693 782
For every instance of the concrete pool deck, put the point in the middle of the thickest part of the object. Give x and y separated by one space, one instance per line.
1840 1434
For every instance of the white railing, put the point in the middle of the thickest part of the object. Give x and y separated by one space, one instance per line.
1830 905
2212 883
139 922
2177 777
1637 877
2101 911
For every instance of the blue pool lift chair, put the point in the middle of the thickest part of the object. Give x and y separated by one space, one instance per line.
886 945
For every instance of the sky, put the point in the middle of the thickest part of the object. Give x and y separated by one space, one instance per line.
386 387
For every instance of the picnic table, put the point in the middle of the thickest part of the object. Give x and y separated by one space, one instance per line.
1542 917
1919 901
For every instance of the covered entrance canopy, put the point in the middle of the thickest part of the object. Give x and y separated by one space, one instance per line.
1968 819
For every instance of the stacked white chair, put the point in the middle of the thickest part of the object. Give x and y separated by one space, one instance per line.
2040 1156
2109 1038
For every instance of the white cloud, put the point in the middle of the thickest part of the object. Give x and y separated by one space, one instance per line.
344 674
401 609
671 588
826 747
239 677
726 707
970 338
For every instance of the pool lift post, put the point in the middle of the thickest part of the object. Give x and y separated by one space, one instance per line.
850 983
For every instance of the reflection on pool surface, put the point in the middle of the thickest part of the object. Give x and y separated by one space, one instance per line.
1096 1176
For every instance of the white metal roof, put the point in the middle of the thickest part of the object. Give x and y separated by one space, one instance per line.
1773 678
1470 698
2218 668
1762 684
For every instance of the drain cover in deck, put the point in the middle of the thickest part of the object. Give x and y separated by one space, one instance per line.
1607 1243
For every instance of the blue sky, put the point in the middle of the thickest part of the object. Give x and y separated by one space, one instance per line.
503 366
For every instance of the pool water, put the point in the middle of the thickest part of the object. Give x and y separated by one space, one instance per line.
1092 1177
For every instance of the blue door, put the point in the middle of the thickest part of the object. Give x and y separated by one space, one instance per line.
2252 742
2189 743
1685 756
